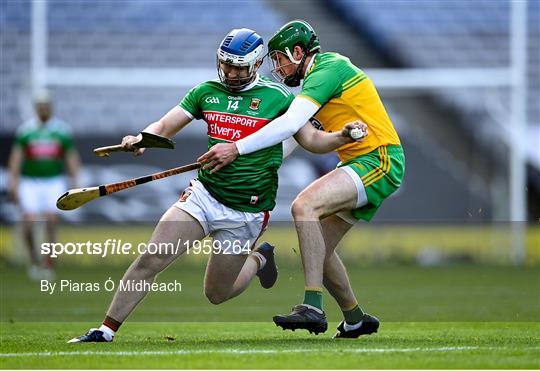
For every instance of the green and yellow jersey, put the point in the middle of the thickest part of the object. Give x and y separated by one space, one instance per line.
44 147
344 94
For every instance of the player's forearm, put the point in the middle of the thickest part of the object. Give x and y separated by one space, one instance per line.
73 165
14 166
161 128
273 133
171 123
280 128
157 128
319 141
13 179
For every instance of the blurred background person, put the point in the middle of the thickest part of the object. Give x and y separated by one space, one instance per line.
43 152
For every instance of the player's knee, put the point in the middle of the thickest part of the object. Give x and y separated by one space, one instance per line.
215 297
301 208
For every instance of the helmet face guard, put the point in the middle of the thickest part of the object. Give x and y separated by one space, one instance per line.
239 55
294 78
294 33
276 68
243 74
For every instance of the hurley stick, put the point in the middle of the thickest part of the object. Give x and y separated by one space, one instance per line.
75 198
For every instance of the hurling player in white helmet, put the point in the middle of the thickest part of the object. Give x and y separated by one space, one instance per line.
232 206
238 58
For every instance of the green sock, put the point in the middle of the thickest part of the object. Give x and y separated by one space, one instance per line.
313 297
354 315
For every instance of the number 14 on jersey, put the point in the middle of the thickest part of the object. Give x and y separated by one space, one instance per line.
233 105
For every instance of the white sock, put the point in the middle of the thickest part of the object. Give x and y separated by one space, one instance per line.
262 260
108 333
348 327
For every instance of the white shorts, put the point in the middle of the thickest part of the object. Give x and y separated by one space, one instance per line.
39 195
230 228
361 196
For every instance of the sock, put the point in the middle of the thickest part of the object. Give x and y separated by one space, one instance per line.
313 296
354 315
259 258
112 324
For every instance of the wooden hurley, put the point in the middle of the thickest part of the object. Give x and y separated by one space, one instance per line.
75 198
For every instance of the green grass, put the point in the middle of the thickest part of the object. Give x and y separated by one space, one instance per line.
454 316
462 316
461 293
261 345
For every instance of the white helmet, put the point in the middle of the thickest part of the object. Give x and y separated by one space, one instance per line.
240 48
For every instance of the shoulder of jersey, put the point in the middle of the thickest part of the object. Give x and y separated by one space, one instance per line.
329 61
60 126
26 127
265 82
212 83
330 58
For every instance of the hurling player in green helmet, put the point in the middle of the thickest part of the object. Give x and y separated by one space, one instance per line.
232 206
334 92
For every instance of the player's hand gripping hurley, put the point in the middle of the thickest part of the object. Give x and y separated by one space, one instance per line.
75 198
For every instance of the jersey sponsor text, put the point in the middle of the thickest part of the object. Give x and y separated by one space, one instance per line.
232 127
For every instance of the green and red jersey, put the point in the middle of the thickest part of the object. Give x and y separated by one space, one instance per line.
249 183
44 147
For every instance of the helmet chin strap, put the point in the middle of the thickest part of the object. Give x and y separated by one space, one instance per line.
294 79
242 84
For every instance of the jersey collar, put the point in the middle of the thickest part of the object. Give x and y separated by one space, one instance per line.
310 64
42 125
251 84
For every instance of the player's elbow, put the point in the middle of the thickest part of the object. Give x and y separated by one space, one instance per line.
305 143
317 149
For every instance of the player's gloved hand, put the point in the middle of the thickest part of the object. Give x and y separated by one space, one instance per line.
219 156
129 140
358 125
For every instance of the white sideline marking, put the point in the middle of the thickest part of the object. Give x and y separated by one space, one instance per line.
237 351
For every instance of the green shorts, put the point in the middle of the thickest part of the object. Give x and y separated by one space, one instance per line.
381 172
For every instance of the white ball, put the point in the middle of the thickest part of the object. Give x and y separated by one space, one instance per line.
356 133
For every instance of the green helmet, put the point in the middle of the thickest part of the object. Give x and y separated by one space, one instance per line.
295 32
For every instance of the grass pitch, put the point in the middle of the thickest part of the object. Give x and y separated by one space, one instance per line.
453 316
462 316
261 345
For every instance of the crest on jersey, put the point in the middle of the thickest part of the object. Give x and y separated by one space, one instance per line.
254 200
254 104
